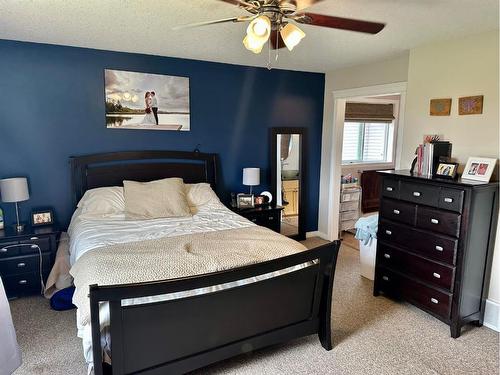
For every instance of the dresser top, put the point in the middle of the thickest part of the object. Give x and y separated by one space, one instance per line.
457 182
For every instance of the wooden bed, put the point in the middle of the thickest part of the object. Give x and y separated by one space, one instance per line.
181 335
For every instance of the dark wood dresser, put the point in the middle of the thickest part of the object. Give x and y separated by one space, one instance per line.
435 244
20 255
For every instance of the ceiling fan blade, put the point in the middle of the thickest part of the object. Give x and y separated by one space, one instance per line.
205 23
339 23
276 40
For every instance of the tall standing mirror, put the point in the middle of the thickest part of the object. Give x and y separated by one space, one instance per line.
288 179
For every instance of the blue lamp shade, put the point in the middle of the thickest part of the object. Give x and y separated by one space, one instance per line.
14 190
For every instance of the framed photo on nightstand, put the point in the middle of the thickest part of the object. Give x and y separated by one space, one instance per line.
42 217
245 201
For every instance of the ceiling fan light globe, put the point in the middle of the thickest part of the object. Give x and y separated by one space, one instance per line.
252 45
291 35
260 29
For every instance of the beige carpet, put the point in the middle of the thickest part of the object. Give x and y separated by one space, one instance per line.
371 336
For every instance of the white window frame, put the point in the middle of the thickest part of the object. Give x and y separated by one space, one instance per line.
360 159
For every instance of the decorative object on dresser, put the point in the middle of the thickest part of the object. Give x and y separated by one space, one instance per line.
251 177
15 190
479 169
446 170
268 217
26 258
350 199
470 105
435 245
429 154
245 200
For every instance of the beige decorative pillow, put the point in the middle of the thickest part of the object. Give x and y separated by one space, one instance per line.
155 199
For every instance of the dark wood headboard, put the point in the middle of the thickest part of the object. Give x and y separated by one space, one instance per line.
110 169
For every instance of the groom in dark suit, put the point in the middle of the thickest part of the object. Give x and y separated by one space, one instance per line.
154 106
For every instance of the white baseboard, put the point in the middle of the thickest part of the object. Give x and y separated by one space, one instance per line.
317 233
492 315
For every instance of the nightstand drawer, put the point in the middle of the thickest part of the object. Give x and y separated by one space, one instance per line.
22 284
42 242
9 249
23 264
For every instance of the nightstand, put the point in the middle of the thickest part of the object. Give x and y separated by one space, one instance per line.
266 216
20 258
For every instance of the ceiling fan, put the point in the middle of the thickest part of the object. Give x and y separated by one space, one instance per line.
271 20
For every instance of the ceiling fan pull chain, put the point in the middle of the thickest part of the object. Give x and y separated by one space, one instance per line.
269 67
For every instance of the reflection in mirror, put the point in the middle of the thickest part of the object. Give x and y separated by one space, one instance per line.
288 181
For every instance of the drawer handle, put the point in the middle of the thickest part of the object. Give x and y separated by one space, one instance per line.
434 221
254 220
22 282
416 194
388 232
34 238
448 200
21 265
34 246
439 248
387 256
397 212
3 250
271 218
436 275
433 300
388 188
385 278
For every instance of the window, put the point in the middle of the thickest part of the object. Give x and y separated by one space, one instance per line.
367 142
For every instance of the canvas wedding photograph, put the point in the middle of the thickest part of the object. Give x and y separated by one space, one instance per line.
146 101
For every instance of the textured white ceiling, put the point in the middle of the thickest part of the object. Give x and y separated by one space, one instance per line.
145 27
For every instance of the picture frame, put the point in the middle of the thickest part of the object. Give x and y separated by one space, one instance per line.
440 107
446 170
245 201
479 169
42 217
470 105
1 219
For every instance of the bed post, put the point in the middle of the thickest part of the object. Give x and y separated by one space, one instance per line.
96 330
325 312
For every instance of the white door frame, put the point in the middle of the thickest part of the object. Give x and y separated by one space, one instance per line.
333 160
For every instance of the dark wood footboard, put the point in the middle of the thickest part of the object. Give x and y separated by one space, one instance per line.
180 335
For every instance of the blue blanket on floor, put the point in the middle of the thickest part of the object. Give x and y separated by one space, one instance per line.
366 228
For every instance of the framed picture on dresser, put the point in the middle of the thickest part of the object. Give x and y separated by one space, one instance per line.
479 169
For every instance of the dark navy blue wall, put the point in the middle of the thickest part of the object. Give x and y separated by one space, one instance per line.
52 107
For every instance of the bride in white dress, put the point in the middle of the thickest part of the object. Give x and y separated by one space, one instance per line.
149 119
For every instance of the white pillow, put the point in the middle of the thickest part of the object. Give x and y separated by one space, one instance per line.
200 194
155 199
103 201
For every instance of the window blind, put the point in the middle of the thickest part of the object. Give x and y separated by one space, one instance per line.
369 112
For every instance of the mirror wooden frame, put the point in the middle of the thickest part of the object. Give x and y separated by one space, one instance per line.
301 235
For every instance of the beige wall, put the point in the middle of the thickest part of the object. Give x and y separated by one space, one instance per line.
452 69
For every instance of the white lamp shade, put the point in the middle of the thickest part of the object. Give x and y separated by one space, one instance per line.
14 189
251 176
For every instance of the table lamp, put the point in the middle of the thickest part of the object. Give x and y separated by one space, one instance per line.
251 177
14 190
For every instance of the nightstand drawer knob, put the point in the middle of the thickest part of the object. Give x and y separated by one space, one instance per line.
416 194
436 275
34 238
388 188
271 218
3 250
34 246
434 221
439 248
385 278
433 300
23 282
397 212
387 256
21 265
254 220
388 232
448 200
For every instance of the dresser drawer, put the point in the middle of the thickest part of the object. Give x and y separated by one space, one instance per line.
23 264
42 242
390 187
438 221
428 271
451 199
398 211
431 299
434 246
419 193
9 249
22 284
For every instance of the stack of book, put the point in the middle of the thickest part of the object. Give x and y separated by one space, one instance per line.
429 154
